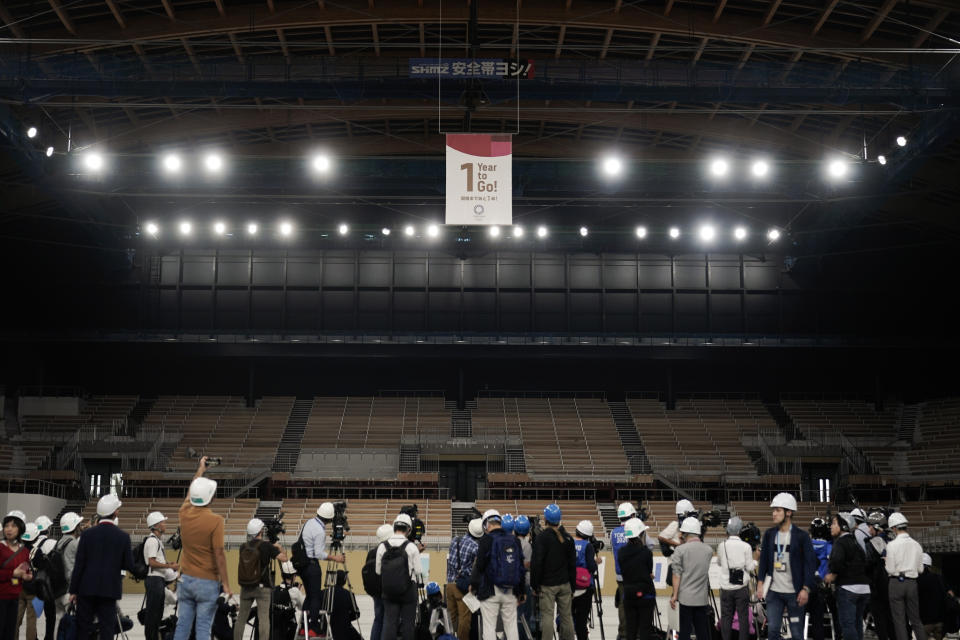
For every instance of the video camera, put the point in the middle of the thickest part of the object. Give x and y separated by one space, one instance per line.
274 528
193 454
340 524
597 544
175 542
418 529
750 533
707 519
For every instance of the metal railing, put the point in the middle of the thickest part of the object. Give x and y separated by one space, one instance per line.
33 486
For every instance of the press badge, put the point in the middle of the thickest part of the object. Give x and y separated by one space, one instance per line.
779 566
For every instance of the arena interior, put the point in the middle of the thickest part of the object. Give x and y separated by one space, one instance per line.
725 273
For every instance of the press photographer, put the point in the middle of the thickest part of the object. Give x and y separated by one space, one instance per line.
418 529
255 575
310 550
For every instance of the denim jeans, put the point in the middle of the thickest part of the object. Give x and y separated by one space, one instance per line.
850 609
377 629
197 600
776 604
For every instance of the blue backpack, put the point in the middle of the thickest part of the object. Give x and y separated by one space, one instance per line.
506 561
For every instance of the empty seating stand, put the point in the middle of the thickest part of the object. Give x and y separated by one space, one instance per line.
367 422
95 410
702 437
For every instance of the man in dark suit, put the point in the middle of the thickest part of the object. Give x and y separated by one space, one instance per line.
96 583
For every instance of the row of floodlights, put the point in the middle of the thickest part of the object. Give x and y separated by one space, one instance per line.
285 228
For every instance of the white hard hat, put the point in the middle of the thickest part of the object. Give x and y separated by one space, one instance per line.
155 518
784 501
69 521
633 527
859 514
926 559
287 568
43 523
403 519
684 506
254 527
108 505
31 533
690 525
16 513
897 520
326 511
626 510
202 491
585 527
490 513
476 528
384 531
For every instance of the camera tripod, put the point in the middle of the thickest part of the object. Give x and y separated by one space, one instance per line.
598 603
330 585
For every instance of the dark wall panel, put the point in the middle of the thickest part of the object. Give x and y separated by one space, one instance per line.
233 271
267 311
303 308
198 270
232 310
303 273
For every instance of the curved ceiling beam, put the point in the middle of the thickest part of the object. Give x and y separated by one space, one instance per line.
687 22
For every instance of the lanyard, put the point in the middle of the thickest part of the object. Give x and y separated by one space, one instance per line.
780 547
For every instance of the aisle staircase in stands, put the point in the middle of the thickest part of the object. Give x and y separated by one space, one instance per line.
908 421
461 420
783 420
629 437
608 514
140 412
72 505
459 511
515 461
288 453
409 458
269 510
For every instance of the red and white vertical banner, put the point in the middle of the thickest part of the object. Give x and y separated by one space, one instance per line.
479 179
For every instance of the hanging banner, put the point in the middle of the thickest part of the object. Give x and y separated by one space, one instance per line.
479 179
490 68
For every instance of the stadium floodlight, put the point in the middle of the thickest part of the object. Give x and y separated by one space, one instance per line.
172 163
93 161
219 227
882 159
186 228
584 231
151 228
385 231
612 166
760 168
719 167
433 231
343 229
541 231
641 232
740 233
773 235
494 231
409 230
321 163
518 231
32 132
674 232
708 233
49 151
252 228
837 169
901 141
286 228
213 162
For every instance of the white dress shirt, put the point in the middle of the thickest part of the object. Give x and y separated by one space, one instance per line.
904 555
734 553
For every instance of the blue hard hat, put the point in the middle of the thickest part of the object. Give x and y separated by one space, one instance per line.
551 513
432 588
521 525
507 522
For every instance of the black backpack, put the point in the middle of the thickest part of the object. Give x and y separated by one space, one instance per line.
56 568
298 554
372 583
394 572
140 568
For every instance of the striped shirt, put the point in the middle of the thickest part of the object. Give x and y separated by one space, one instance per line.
463 551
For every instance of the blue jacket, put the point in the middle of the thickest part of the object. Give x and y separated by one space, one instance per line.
618 539
803 559
102 552
822 548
